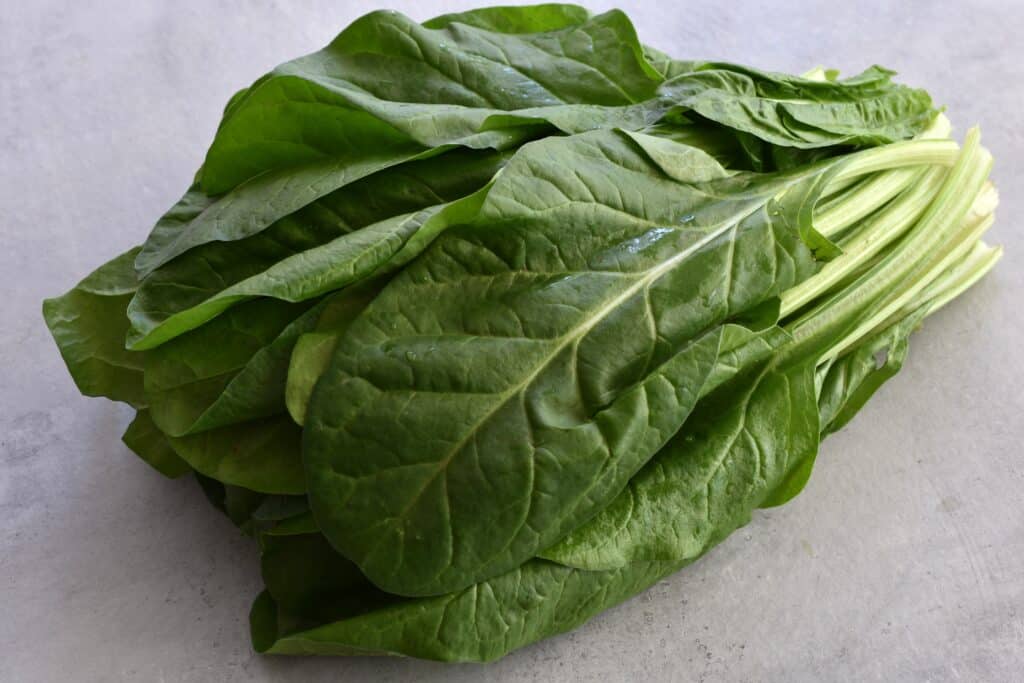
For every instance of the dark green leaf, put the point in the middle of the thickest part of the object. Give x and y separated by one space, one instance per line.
205 281
263 455
150 444
565 341
89 325
739 446
231 370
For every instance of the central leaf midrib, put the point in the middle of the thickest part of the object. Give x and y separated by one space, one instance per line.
574 335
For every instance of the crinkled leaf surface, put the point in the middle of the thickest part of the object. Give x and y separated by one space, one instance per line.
481 623
569 332
387 90
790 111
203 282
739 445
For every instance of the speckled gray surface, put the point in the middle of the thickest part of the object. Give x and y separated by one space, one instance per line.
902 561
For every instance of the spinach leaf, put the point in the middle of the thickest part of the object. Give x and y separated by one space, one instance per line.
146 440
311 582
89 325
229 371
518 379
263 455
536 600
790 111
279 508
203 282
313 350
385 91
738 448
236 502
850 381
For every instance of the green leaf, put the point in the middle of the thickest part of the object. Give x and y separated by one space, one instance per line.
853 378
89 325
263 455
278 508
299 524
254 205
519 379
486 621
236 502
790 111
150 444
736 449
308 579
313 350
205 281
529 19
309 361
385 91
229 371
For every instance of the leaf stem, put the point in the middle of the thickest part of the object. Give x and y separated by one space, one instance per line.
941 220
879 232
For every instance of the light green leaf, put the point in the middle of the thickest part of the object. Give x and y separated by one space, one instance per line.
313 350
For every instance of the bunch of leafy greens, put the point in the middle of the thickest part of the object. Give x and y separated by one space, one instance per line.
483 325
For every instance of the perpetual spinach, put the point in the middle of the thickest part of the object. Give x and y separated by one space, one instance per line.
483 325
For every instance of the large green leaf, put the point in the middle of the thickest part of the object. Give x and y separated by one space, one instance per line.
790 111
263 455
481 623
509 19
191 289
229 371
385 91
89 325
566 339
255 205
741 444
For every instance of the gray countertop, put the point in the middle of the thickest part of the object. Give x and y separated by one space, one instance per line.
901 561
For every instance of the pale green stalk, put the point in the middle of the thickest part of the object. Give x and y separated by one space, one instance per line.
981 259
950 256
879 232
939 223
